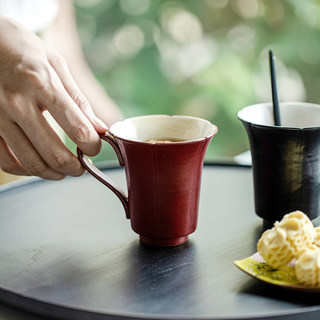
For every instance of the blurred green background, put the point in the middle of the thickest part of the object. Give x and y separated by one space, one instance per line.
206 58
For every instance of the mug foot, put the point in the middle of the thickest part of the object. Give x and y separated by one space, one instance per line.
163 242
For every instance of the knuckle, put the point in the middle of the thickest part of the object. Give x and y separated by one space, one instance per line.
37 79
50 94
18 111
87 139
65 164
82 133
40 78
16 105
36 168
82 102
59 162
57 59
34 73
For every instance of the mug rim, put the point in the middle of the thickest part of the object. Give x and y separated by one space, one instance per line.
213 131
282 127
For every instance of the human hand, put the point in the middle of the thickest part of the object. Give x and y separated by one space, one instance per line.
33 79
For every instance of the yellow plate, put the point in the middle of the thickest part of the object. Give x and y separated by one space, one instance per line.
285 276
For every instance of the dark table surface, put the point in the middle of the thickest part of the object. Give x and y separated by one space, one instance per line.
67 251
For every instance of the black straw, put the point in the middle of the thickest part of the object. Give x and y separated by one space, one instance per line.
275 100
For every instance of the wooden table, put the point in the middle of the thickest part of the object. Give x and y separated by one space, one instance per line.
66 250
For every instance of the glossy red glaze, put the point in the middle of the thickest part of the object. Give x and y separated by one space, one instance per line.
163 186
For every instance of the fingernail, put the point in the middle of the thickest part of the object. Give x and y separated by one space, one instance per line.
102 127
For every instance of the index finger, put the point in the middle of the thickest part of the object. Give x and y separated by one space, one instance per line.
70 118
59 64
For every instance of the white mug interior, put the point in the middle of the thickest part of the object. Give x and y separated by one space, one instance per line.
163 127
292 114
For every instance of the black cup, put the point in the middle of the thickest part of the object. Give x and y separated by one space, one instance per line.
285 160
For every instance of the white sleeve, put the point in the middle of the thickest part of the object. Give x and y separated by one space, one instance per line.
36 15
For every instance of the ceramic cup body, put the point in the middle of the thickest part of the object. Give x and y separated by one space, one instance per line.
163 178
285 160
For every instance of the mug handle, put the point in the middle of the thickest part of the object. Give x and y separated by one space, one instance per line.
99 175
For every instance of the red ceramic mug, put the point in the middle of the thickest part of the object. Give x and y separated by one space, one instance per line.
163 158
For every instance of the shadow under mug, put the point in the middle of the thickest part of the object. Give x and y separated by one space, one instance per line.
163 158
285 159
